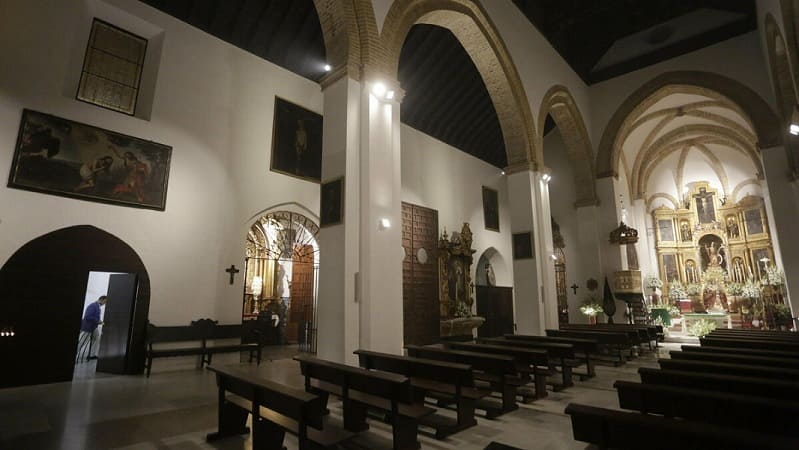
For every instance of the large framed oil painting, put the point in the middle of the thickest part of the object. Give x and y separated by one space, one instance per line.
72 159
491 209
296 141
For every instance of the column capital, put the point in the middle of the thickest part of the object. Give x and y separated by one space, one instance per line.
522 166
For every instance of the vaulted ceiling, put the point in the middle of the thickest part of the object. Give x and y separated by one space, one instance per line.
445 95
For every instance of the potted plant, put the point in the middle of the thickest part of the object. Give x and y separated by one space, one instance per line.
591 308
782 317
677 293
701 328
751 306
653 282
734 290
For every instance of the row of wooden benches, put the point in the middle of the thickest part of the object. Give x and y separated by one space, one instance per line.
723 394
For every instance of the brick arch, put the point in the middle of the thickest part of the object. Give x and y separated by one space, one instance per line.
349 30
472 27
782 80
760 114
559 103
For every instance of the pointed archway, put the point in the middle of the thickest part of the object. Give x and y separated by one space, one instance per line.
42 289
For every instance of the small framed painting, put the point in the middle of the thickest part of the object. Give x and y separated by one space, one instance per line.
491 209
523 245
331 199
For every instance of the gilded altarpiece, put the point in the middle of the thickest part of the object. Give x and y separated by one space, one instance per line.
708 231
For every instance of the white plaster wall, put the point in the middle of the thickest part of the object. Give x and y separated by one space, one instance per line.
438 176
213 104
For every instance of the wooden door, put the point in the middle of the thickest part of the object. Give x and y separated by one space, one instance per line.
302 282
113 356
421 320
495 303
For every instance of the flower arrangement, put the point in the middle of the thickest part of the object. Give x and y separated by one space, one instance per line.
693 289
751 289
782 315
590 307
773 276
735 289
674 311
714 275
462 310
701 328
676 291
652 281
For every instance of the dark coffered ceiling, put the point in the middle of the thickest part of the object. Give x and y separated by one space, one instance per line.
602 39
445 94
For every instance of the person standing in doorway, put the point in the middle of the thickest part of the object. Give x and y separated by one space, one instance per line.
89 336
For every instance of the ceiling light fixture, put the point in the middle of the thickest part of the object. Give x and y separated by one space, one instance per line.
379 90
794 129
546 177
327 68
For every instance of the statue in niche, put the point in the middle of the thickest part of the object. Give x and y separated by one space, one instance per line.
705 210
714 258
713 252
491 279
732 227
685 231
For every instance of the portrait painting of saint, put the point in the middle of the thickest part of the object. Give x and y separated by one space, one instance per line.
296 141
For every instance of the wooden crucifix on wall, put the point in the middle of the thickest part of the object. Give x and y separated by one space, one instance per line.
232 270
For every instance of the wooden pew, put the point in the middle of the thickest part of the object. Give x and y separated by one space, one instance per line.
531 362
427 375
559 354
741 351
765 335
744 370
759 387
499 370
608 429
361 390
616 341
740 411
275 408
787 363
762 344
585 347
642 334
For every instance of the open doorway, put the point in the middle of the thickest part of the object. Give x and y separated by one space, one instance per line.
42 293
105 326
281 278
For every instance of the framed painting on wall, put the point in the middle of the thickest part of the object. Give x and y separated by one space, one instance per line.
296 141
331 198
72 159
491 209
523 245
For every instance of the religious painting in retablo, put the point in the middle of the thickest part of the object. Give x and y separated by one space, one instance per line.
331 199
296 141
491 209
61 157
523 245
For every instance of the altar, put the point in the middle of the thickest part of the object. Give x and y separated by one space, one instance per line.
718 318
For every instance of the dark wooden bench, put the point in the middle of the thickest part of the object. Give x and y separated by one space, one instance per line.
361 390
582 347
431 376
532 363
275 409
559 355
744 333
620 342
641 334
759 387
500 371
745 370
740 411
787 363
608 429
741 351
762 344
198 339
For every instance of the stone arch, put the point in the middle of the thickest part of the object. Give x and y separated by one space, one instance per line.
349 31
668 197
498 263
782 80
473 28
42 288
559 103
790 20
764 121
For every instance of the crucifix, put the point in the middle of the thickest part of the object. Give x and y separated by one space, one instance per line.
232 270
574 288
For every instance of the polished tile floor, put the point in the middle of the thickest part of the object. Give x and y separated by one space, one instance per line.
176 407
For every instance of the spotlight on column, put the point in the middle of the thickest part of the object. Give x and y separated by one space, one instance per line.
502 172
379 90
546 177
327 68
384 224
554 257
390 95
794 129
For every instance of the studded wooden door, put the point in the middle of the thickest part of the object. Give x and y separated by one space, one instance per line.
420 274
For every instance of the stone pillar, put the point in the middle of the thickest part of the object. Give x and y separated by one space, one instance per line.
590 243
360 271
783 215
608 220
533 278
